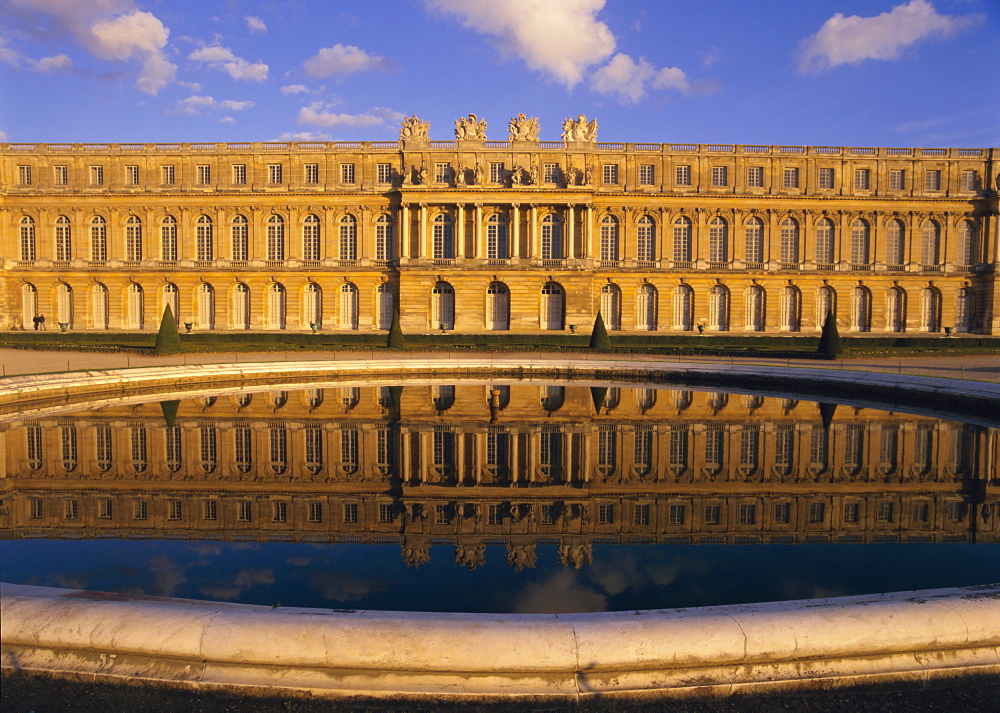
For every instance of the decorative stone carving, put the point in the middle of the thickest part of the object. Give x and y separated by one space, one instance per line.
416 555
460 176
413 128
422 175
576 556
579 129
522 128
407 175
470 556
477 176
470 129
521 556
516 176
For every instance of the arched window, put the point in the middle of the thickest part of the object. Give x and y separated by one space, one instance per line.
553 397
860 241
442 306
168 239
791 309
206 306
98 306
29 247
552 306
682 239
611 306
895 236
552 238
240 238
384 305
930 317
205 244
755 308
964 310
170 296
754 247
684 308
29 304
275 238
895 310
861 309
98 239
645 307
133 239
133 306
384 239
312 305
348 238
609 238
239 317
718 308
645 240
930 245
718 240
497 247
275 306
790 241
824 242
967 253
497 307
444 237
64 243
348 306
826 302
310 237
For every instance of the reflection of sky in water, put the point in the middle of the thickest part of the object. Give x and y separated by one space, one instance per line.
622 577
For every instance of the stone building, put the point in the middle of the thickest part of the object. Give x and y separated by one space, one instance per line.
521 235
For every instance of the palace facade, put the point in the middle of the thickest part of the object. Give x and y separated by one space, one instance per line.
477 235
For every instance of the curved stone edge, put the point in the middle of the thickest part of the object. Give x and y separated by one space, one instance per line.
776 646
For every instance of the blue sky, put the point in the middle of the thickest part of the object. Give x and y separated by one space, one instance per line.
803 72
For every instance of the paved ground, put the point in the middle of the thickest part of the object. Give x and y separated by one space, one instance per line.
31 361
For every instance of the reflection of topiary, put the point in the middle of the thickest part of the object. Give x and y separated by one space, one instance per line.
168 341
829 341
599 338
397 340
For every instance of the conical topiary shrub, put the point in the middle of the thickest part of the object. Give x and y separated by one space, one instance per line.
599 338
829 341
396 340
168 341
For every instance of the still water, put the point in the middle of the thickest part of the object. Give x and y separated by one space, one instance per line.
503 497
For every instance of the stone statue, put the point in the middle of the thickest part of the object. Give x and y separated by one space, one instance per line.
413 128
470 129
579 130
517 176
460 176
535 175
470 556
414 556
422 175
522 128
588 176
477 175
521 556
575 556
407 174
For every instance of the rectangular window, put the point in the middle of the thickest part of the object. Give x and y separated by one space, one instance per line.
496 172
97 175
274 173
682 175
24 175
755 176
713 514
605 513
720 175
550 173
791 178
60 175
280 511
611 174
677 514
167 175
35 508
442 172
315 512
970 180
106 509
347 173
647 174
782 513
897 180
748 513
640 514
885 511
131 175
383 172
210 509
817 512
204 175
175 510
350 512
932 181
921 511
852 512
862 179
72 510
826 179
140 510
955 511
440 514
548 514
312 174
243 511
385 512
494 515
239 174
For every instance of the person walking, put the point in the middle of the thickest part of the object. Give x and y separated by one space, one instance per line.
41 322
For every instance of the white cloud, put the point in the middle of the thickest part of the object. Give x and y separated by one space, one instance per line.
319 114
196 103
3 135
853 39
561 38
8 55
58 63
343 60
255 24
303 136
631 80
224 60
294 89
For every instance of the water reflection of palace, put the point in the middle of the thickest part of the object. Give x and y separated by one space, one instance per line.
477 464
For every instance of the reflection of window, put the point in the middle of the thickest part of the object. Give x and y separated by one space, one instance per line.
921 511
71 509
713 514
35 505
140 510
852 512
210 509
885 511
243 511
69 449
640 514
607 447
242 437
385 512
350 512
494 514
782 513
817 512
314 450
279 449
748 513
548 514
175 509
315 512
349 450
677 513
209 453
106 511
605 513
280 509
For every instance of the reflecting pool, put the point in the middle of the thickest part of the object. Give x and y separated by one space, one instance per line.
497 497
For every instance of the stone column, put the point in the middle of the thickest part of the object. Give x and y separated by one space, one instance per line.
588 233
477 232
514 251
404 231
460 232
533 246
422 250
570 234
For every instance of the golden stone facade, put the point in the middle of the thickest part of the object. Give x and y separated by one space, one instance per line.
521 235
